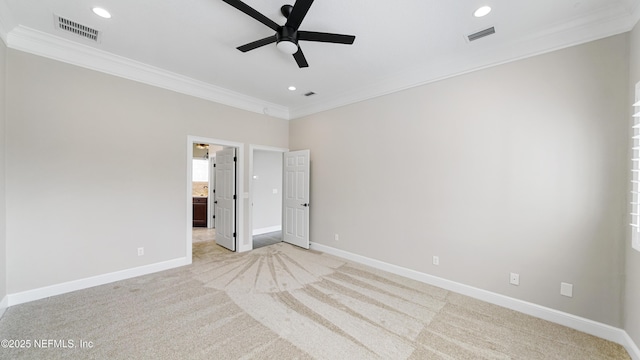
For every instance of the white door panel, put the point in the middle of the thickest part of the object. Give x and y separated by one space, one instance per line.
211 208
225 195
296 198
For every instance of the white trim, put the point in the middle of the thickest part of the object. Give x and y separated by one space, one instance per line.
575 322
81 284
4 304
267 148
558 36
189 195
47 45
631 347
266 230
585 325
634 176
252 148
242 244
564 35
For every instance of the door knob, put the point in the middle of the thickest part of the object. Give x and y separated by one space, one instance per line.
305 205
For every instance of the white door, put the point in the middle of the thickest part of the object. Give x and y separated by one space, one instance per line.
211 209
295 206
224 200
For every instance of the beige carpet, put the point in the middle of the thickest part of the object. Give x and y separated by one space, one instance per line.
282 302
201 234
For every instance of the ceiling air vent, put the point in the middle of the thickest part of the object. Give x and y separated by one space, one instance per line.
482 33
310 93
78 29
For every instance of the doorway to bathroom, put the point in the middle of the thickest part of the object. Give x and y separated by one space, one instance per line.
214 181
203 191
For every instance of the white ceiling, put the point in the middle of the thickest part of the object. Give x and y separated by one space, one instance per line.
190 46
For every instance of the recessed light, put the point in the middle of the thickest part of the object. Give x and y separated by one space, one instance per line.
292 88
101 12
482 11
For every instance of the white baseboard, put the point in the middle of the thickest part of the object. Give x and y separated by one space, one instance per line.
63 288
572 321
631 347
4 304
267 230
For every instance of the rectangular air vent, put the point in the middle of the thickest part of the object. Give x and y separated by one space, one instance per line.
309 93
76 28
482 33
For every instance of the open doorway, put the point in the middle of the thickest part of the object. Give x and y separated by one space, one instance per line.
203 192
266 195
214 209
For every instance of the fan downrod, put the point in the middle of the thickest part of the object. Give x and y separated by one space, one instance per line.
286 10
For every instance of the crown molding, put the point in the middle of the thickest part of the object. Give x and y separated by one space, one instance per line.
578 31
42 44
617 19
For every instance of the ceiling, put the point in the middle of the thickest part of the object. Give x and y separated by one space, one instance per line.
190 46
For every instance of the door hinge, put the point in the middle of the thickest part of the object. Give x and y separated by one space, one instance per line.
234 234
235 158
214 165
234 197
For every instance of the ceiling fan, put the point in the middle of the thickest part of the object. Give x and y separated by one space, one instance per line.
288 35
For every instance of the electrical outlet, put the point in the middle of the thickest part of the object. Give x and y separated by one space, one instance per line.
566 289
336 237
436 260
140 251
514 279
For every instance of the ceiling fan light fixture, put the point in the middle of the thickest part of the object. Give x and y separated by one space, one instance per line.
287 47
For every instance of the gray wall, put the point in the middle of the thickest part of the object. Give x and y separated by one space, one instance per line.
75 214
520 167
632 260
267 206
516 168
3 217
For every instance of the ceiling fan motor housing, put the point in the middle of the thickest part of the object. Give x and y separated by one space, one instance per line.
287 39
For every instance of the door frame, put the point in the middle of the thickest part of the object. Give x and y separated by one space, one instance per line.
242 244
252 148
